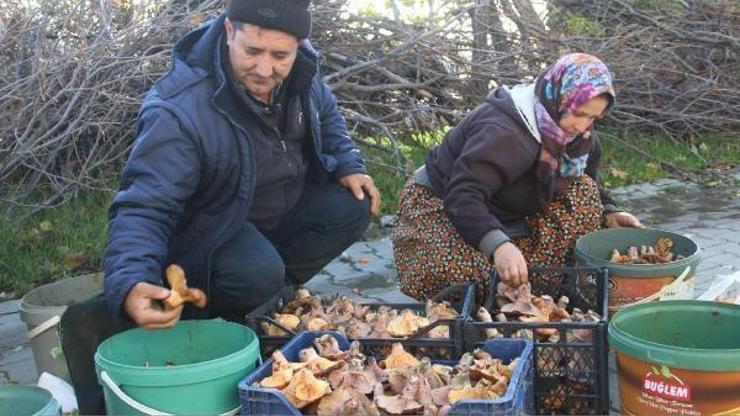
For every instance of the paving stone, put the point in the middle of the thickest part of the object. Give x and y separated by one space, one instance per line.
726 233
18 367
11 306
707 266
706 244
12 332
726 259
663 182
382 248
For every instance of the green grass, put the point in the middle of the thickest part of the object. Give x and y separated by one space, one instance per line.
55 243
623 165
70 239
390 182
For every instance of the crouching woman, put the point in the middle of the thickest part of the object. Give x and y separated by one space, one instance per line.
512 186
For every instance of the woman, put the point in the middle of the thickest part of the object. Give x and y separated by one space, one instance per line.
513 186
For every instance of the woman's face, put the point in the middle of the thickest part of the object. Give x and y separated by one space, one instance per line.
581 119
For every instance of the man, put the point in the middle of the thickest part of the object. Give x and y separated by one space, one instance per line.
242 173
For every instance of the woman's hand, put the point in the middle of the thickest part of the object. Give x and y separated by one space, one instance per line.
622 219
510 264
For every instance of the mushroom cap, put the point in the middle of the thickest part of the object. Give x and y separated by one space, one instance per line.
309 388
288 320
322 366
361 381
173 300
279 379
440 310
179 291
346 401
328 347
396 405
477 392
359 329
406 324
317 324
176 278
399 358
279 362
307 354
663 245
197 297
483 315
317 364
302 294
545 304
523 308
440 331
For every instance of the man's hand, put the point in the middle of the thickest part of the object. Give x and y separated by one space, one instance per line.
358 184
142 305
622 219
510 264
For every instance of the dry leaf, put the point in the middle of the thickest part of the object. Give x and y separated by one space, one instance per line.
45 226
619 173
72 261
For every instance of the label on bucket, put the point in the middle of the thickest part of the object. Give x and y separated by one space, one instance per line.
626 290
655 389
665 384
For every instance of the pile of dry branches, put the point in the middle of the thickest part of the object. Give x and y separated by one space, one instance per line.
72 74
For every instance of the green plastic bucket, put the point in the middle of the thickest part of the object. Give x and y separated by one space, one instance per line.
27 401
41 310
633 283
193 368
678 357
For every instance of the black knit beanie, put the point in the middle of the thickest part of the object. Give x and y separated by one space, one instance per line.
290 16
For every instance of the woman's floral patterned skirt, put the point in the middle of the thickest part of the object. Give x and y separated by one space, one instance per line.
431 255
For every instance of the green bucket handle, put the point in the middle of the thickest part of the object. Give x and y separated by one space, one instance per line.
142 408
666 358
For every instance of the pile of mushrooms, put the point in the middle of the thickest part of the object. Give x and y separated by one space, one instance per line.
328 381
308 312
659 254
520 305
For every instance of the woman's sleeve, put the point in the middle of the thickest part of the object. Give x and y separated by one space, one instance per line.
491 158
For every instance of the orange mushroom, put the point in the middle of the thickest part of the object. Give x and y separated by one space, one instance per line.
179 291
305 389
399 358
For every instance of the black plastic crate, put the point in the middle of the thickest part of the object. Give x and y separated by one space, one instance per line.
570 377
461 298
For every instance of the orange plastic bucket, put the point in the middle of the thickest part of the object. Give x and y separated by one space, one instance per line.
633 283
678 358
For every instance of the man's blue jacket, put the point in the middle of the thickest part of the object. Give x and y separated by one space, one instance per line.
190 178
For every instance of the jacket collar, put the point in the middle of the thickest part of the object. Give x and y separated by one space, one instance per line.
523 97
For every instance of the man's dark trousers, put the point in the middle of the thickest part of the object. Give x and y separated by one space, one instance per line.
247 270
253 265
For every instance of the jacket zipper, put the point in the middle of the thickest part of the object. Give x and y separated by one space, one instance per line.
223 238
280 137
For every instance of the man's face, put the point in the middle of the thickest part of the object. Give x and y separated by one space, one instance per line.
260 58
